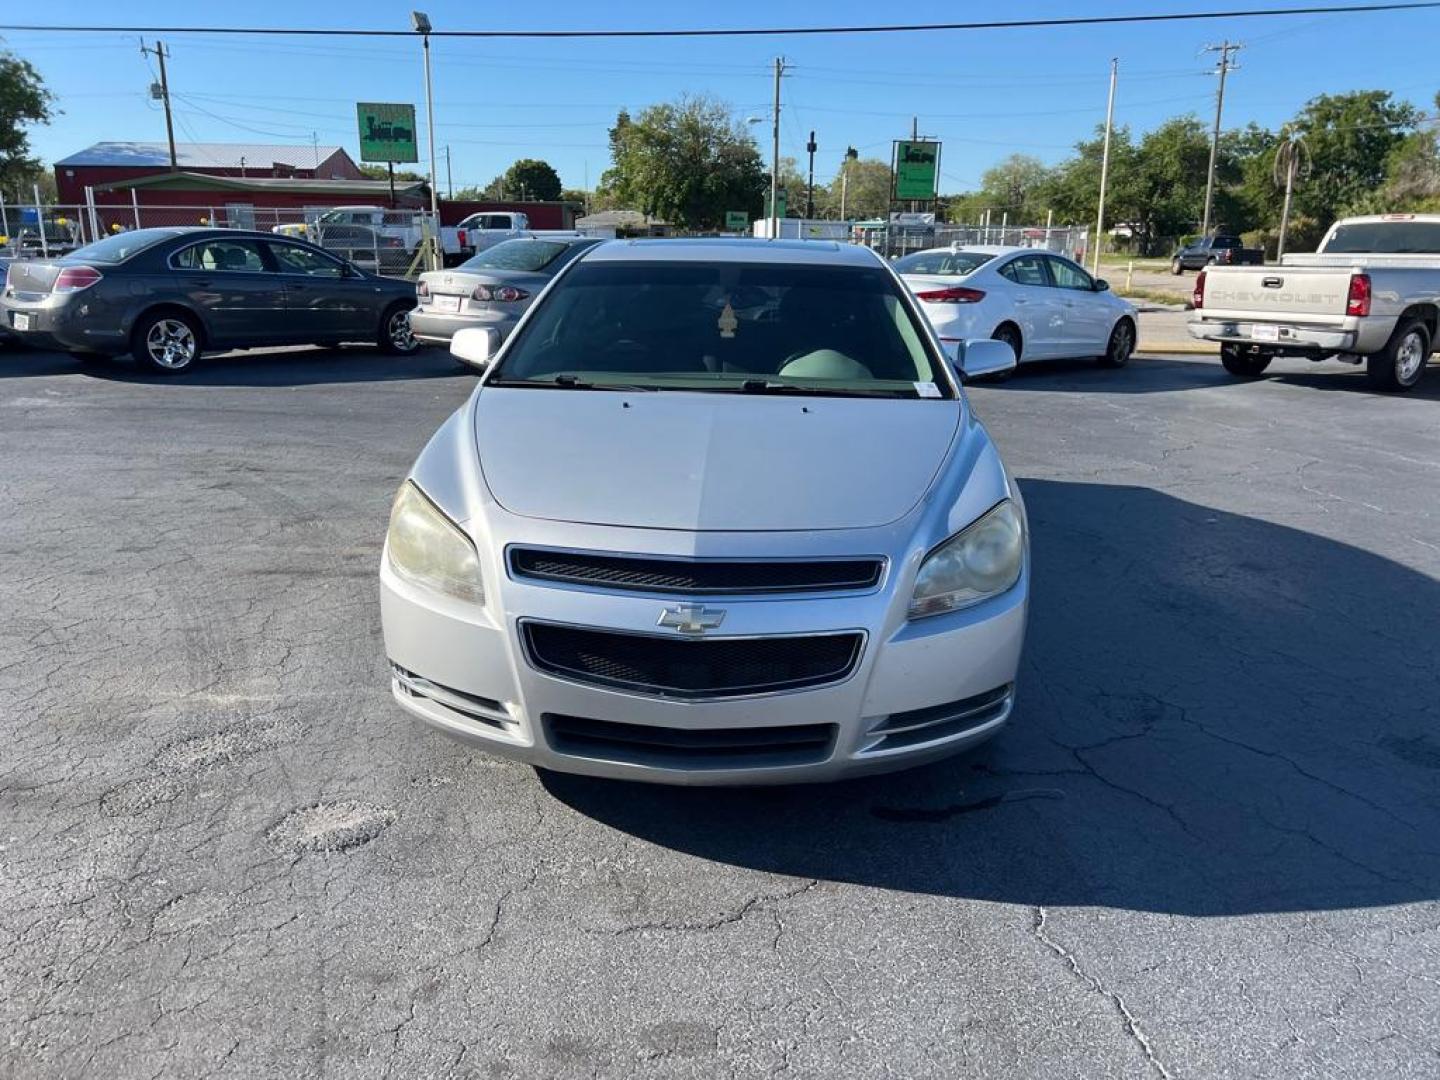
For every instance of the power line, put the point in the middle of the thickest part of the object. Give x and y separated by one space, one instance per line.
882 28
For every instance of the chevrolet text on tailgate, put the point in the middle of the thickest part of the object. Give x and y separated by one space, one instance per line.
1370 294
718 512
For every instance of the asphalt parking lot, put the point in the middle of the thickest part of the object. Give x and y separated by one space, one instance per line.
1208 845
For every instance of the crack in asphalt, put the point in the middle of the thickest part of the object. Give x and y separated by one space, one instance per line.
1132 1025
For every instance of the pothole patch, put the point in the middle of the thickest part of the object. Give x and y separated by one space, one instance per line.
225 746
337 826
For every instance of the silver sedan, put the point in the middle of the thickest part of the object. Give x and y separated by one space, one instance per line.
492 289
719 512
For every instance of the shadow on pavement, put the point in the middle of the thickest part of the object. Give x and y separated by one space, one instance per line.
1218 716
257 368
1140 376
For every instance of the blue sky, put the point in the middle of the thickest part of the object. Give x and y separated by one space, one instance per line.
984 94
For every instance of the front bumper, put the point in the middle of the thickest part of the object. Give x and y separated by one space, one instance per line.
463 670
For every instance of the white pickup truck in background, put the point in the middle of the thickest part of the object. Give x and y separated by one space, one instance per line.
350 230
1370 293
489 227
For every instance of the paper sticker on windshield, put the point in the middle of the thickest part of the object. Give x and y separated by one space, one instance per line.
727 321
927 389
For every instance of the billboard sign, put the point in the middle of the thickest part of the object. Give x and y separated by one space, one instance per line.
916 169
387 132
737 220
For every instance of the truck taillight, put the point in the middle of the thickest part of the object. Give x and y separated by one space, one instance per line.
1359 299
74 278
1197 299
460 237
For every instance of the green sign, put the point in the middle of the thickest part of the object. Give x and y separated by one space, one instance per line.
780 202
917 168
387 132
737 220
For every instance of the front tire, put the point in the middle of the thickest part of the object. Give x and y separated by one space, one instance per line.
1121 347
1177 267
394 336
1241 364
1399 366
166 343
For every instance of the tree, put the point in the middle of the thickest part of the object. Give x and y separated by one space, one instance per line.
1020 184
532 180
867 192
23 101
381 172
1351 139
687 162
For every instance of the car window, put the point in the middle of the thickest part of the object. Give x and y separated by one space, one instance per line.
942 263
1026 270
736 327
517 255
234 256
298 260
1069 276
1383 237
1225 242
118 248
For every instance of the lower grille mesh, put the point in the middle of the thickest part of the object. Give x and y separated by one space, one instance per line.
712 748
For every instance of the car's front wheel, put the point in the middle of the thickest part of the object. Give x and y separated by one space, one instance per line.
1400 364
166 342
1241 364
1176 266
394 335
1121 347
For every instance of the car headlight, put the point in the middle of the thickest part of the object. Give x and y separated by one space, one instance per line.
980 561
428 549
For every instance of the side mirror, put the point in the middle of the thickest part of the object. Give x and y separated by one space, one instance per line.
981 356
475 346
1101 285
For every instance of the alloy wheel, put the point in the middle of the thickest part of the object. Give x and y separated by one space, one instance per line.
171 344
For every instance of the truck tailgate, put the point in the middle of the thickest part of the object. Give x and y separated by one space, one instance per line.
1317 293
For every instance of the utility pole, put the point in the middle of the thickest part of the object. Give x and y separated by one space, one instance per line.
1104 170
449 179
810 187
850 155
1224 49
775 154
420 22
160 53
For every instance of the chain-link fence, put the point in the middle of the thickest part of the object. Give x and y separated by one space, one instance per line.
894 240
396 242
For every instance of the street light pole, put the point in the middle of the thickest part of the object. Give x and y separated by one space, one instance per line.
810 186
421 22
775 154
1104 170
1224 49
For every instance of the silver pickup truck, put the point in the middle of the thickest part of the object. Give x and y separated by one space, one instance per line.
1370 293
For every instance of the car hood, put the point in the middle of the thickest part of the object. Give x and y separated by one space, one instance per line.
710 461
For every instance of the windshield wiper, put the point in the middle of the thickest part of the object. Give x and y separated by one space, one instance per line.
769 386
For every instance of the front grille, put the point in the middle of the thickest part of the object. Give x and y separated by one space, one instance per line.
695 577
678 748
690 667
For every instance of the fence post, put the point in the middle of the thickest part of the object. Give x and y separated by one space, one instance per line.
4 219
1129 273
94 218
135 204
40 222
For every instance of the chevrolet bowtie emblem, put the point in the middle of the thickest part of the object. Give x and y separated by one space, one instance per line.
691 618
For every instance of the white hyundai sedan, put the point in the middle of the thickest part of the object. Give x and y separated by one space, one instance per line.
717 512
1043 305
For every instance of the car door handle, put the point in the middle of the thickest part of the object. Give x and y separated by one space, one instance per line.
203 284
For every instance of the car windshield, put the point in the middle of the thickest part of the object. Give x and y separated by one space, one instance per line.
736 327
1386 238
942 263
516 255
118 248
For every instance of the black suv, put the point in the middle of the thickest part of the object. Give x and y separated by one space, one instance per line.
1222 249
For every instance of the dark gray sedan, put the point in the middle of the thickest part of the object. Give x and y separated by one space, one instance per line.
493 289
167 295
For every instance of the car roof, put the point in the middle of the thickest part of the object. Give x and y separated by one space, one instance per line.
732 249
980 249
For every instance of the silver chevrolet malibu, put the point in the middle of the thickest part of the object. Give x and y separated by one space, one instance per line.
718 512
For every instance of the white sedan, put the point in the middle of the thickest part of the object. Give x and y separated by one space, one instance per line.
1043 305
